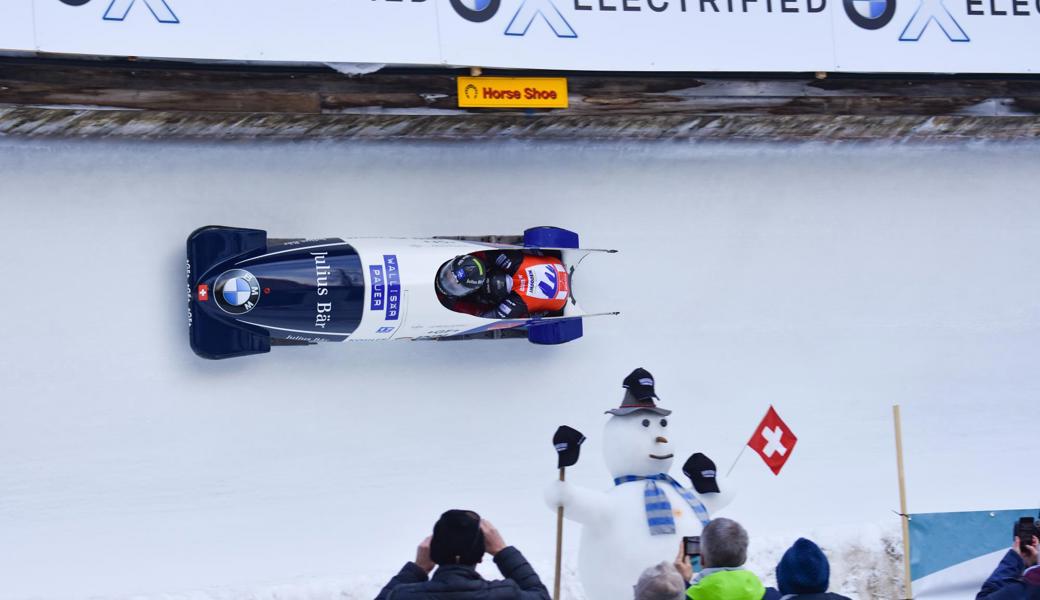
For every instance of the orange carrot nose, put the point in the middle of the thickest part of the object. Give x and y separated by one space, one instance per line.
661 440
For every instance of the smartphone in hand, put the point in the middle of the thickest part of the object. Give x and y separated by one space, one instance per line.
692 545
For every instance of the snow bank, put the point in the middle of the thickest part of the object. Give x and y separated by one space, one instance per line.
355 69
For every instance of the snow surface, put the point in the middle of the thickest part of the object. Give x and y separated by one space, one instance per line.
354 69
829 282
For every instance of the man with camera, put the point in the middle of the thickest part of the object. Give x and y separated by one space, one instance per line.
460 539
723 551
1017 577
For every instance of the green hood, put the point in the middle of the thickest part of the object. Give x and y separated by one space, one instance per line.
728 585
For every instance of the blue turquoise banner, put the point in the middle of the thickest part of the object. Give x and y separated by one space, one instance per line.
951 554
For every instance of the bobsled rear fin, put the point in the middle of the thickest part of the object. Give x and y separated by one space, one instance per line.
551 237
554 333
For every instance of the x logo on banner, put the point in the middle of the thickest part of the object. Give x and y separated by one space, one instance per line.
162 12
530 10
928 11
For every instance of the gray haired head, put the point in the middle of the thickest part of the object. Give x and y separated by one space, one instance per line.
660 582
724 543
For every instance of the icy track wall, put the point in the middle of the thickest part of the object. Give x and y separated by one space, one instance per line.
829 282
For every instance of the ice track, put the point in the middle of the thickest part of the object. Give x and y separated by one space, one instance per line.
829 282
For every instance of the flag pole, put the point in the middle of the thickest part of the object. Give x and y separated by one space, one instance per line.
736 460
903 516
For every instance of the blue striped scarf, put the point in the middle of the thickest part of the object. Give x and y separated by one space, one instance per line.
658 509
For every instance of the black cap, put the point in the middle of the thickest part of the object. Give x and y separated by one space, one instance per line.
701 471
639 394
567 441
457 539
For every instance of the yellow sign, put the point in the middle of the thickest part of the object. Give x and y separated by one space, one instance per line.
512 92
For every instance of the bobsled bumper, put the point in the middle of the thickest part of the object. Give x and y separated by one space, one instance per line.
210 336
544 331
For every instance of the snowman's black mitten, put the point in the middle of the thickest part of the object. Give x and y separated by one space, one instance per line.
701 471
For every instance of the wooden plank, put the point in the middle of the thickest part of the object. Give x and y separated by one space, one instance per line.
300 102
152 99
268 89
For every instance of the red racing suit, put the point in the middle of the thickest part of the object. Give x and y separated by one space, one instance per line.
521 285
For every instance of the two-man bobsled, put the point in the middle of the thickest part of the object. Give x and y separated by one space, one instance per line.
248 292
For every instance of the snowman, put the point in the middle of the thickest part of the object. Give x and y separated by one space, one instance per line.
643 518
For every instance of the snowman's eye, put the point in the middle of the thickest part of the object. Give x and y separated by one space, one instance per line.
664 422
646 422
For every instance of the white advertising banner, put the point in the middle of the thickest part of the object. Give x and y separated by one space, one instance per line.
16 25
937 36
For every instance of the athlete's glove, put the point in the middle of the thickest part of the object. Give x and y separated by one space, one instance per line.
497 287
512 307
508 261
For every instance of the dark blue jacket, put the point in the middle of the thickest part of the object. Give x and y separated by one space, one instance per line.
774 594
461 582
1006 581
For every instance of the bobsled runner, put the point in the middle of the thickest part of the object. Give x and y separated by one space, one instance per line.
248 292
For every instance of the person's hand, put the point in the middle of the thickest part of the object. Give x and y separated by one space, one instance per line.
682 564
422 555
493 542
1028 552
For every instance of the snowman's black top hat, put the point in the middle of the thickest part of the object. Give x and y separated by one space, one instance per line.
639 395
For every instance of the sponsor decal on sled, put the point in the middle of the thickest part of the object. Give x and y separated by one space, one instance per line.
512 92
375 273
237 291
393 287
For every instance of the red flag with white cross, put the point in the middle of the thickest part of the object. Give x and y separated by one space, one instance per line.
773 440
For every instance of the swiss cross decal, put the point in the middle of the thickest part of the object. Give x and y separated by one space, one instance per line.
203 292
773 440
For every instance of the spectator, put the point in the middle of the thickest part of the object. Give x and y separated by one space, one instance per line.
723 554
1016 577
661 582
803 572
460 539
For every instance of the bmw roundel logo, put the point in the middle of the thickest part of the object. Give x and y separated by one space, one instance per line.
870 14
236 291
477 11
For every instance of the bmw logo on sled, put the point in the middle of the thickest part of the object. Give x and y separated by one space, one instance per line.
248 292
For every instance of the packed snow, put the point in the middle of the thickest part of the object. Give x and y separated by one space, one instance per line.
830 282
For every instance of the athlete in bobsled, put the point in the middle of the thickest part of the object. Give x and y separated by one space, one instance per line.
505 284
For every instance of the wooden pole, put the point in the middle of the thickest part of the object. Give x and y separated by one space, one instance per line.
559 545
908 584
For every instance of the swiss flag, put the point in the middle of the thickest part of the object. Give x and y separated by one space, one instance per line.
203 292
773 440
